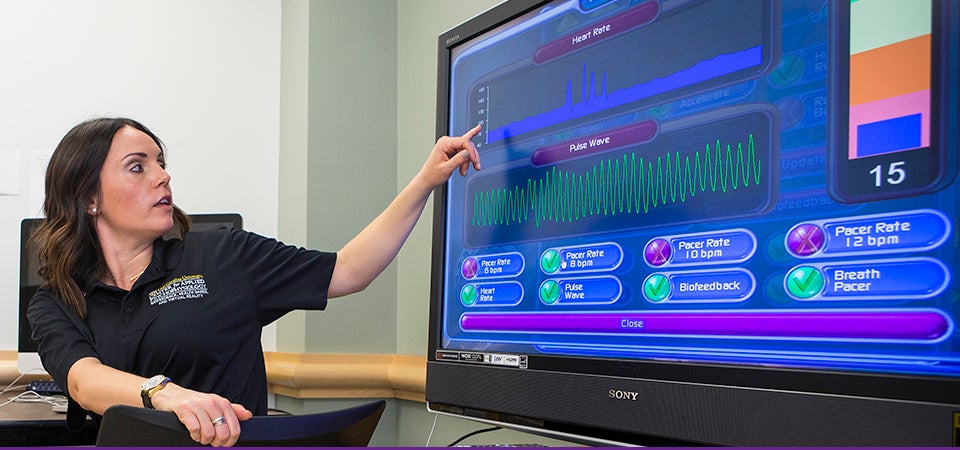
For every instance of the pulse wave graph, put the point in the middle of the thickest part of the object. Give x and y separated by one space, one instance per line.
620 186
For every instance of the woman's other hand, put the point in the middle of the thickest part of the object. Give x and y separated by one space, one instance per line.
211 419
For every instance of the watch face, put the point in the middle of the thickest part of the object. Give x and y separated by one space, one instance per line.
153 382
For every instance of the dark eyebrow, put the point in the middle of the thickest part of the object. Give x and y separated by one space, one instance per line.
140 154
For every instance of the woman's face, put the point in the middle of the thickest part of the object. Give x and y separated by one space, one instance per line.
135 200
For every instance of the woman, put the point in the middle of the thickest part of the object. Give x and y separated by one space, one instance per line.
126 316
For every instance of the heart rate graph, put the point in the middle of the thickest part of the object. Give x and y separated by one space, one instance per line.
593 82
591 103
727 173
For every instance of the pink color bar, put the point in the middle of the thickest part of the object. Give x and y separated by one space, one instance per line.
888 108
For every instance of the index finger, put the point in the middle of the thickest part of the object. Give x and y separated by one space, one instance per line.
473 132
472 149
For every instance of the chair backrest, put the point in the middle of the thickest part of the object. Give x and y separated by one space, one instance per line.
128 426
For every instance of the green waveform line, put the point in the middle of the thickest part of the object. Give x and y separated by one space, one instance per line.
627 185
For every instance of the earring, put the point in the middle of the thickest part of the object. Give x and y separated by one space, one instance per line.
94 210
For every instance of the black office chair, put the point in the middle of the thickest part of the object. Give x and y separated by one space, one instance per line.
127 426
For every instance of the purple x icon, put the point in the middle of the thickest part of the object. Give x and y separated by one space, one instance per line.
657 252
805 239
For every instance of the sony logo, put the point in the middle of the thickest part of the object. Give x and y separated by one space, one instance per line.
453 38
622 395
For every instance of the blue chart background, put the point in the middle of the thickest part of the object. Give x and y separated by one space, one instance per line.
777 103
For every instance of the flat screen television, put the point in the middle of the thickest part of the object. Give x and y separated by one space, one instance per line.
702 222
28 360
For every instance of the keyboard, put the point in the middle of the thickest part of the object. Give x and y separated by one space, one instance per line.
48 387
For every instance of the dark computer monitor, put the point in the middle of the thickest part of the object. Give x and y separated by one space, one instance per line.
28 360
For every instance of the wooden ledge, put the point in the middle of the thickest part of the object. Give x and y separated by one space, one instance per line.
316 375
321 375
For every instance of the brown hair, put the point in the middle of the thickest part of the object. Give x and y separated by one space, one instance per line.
69 251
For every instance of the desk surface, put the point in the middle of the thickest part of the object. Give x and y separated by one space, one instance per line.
22 411
27 424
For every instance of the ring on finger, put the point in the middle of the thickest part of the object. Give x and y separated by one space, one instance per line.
218 421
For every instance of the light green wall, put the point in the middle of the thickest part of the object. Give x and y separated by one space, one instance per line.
292 201
352 161
368 125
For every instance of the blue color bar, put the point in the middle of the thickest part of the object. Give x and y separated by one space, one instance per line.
891 135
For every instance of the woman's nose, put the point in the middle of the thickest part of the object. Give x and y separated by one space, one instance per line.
163 177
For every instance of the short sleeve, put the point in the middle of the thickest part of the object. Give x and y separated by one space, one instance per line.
61 334
283 277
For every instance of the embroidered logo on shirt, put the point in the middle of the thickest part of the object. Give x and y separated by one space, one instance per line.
180 288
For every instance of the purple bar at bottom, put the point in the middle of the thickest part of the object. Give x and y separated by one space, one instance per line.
898 325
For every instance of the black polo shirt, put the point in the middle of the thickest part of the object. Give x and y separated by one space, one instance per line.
195 315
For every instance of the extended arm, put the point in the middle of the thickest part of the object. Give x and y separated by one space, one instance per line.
368 254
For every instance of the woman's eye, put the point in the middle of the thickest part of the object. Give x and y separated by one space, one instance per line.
136 168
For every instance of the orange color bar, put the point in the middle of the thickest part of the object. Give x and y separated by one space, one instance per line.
890 70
